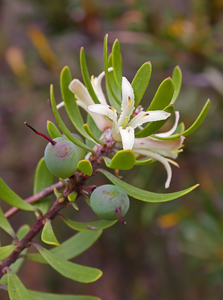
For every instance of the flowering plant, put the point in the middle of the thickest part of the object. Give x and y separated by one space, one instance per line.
119 132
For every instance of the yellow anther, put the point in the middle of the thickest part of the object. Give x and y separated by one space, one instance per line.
129 102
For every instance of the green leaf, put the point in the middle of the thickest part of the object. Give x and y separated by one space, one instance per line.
177 80
86 77
68 269
71 106
154 126
140 82
85 166
6 251
88 226
53 130
94 129
11 198
87 129
122 160
72 196
117 63
110 80
163 95
5 225
72 247
143 195
193 127
48 236
61 124
23 230
143 162
43 179
16 289
47 296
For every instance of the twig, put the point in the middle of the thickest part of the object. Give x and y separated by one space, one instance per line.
32 199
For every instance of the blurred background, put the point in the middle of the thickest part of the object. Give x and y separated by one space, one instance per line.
167 251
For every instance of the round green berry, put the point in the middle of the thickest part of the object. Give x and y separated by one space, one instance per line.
61 158
109 202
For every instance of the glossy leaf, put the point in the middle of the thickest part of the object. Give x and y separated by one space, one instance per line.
87 129
109 78
11 198
72 247
112 84
154 126
140 82
48 236
177 80
193 127
122 160
72 196
53 130
163 95
143 195
68 269
117 63
6 251
5 225
71 106
88 226
23 230
86 77
16 289
85 166
43 179
61 124
47 296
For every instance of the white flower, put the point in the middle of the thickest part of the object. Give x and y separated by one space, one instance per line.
160 149
123 125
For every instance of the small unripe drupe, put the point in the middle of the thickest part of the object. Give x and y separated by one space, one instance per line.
61 156
109 202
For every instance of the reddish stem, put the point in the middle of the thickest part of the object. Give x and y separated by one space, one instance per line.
41 134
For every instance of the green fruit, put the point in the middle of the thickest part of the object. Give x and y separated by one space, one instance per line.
61 158
109 202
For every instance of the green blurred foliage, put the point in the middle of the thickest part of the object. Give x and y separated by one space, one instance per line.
168 251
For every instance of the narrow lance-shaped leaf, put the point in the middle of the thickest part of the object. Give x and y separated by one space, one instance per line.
177 80
140 82
43 178
48 236
112 84
6 251
62 126
86 77
5 225
88 226
88 130
193 127
154 126
142 195
47 296
11 198
53 130
72 247
117 63
71 106
16 289
68 269
23 230
106 66
163 95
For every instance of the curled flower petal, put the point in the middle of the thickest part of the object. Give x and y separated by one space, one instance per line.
160 158
148 116
171 131
105 110
152 143
127 136
128 102
80 92
96 83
